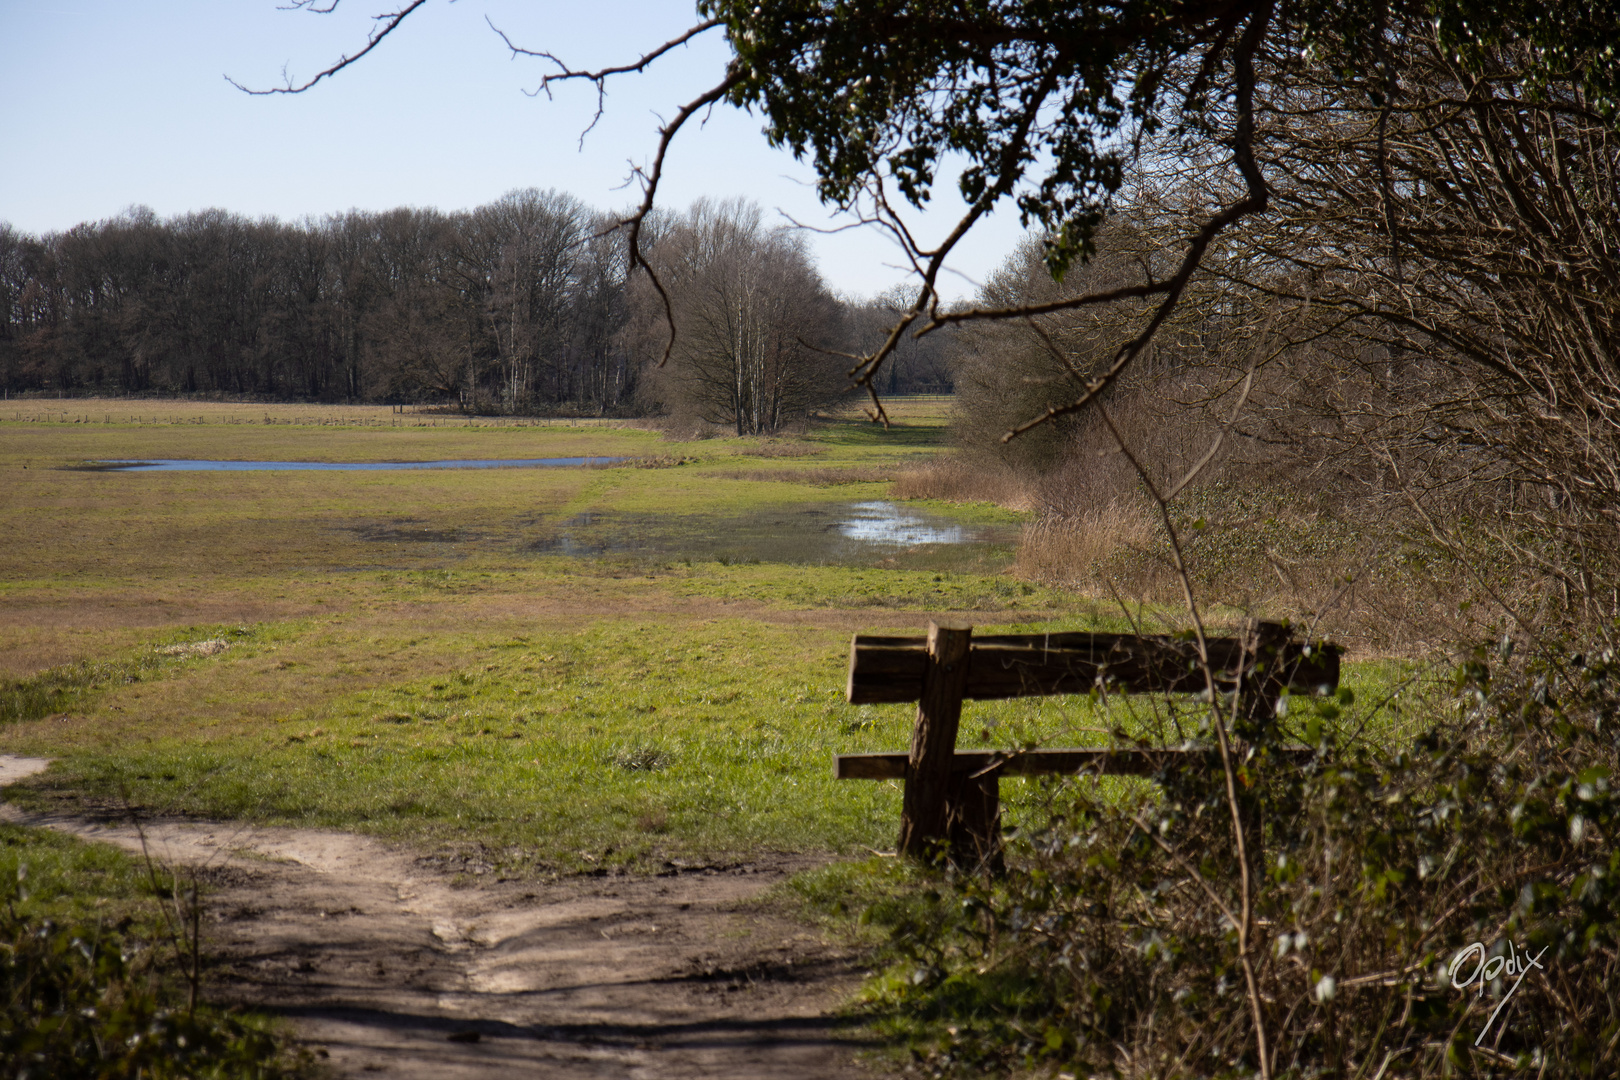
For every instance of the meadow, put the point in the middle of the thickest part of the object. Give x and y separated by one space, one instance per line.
560 668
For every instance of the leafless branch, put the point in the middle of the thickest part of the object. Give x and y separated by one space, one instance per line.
599 76
1244 923
864 374
387 24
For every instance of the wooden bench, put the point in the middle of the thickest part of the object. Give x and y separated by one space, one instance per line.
953 797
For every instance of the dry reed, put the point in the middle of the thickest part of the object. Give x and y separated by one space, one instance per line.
1083 550
960 480
828 477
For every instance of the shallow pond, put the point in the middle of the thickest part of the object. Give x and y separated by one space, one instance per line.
195 465
826 533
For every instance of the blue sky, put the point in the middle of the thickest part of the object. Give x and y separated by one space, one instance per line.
111 103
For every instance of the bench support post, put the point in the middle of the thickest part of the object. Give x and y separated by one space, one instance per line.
924 816
1267 642
975 821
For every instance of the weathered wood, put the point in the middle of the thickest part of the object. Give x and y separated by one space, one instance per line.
954 797
1056 762
1263 687
974 822
890 669
924 813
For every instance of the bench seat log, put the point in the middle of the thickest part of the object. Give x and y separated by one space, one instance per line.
973 813
886 670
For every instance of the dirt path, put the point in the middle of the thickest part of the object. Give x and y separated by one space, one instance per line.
391 970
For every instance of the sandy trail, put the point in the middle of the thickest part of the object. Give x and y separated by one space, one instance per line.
391 969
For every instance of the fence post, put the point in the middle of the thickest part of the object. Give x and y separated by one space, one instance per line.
924 811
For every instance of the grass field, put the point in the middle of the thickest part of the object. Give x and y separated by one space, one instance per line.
416 654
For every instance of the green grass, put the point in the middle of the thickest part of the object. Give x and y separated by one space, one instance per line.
77 685
797 587
621 742
853 898
1384 702
68 880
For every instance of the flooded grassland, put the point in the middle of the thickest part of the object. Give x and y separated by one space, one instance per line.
606 661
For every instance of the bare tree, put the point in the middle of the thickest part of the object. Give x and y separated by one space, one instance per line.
751 312
1442 260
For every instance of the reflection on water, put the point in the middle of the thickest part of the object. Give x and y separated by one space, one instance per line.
192 465
829 533
886 523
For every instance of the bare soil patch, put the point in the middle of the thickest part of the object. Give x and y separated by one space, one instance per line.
392 964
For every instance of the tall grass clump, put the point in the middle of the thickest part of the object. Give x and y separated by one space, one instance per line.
1083 549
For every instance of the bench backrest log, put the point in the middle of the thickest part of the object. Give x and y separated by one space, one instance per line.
884 670
954 797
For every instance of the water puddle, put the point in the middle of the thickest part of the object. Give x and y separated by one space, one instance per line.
886 523
407 531
833 534
197 465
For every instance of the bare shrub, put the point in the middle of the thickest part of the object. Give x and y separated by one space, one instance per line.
1294 518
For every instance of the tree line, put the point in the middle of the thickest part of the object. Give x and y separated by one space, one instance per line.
522 305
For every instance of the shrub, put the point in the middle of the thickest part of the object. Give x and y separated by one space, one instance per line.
86 1002
1118 942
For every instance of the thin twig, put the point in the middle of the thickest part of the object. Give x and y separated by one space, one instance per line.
389 22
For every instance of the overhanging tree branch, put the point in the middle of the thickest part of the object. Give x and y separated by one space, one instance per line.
599 76
1253 202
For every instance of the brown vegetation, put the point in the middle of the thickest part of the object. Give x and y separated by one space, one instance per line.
963 480
831 477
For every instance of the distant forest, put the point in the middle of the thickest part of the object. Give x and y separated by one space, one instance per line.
522 305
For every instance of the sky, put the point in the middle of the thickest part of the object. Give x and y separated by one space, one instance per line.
116 103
